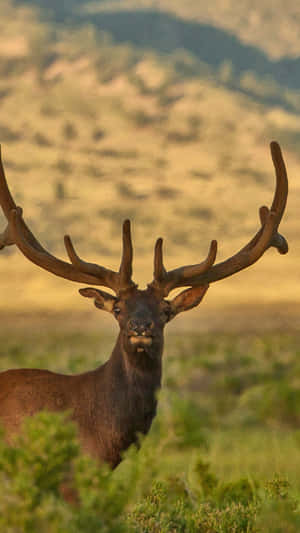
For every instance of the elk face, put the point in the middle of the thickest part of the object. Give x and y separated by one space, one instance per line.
141 317
143 314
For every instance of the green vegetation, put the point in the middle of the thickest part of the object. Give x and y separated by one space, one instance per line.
222 455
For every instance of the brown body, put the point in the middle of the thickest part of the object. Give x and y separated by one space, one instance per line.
111 405
114 403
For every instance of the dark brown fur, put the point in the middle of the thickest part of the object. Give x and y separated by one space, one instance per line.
115 402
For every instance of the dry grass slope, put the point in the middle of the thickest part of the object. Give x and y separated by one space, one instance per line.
92 134
272 25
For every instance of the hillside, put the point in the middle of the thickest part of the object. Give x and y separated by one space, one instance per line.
198 43
271 25
93 132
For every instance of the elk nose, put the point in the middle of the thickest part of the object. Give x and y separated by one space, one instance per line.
140 327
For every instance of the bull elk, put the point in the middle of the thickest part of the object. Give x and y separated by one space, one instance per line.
117 401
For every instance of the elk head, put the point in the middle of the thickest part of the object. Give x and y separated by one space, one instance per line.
142 314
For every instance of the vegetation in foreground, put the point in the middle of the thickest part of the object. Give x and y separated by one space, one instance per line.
222 455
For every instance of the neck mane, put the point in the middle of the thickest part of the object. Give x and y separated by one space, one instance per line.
129 391
134 367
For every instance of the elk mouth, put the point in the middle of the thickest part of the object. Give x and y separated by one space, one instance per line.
140 341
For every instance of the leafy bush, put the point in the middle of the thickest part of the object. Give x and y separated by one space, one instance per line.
272 403
184 478
35 468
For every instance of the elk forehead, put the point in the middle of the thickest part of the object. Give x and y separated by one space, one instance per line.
141 303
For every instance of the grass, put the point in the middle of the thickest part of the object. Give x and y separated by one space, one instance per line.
228 412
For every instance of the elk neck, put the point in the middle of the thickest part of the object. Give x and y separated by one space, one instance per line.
126 390
137 373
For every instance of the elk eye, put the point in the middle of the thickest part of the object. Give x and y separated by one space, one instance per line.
164 315
117 311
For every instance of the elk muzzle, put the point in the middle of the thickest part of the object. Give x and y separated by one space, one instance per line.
140 332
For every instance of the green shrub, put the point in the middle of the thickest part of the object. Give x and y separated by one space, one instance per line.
235 518
185 422
273 403
160 512
187 476
32 471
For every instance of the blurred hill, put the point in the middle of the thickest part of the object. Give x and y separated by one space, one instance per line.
94 131
253 47
270 25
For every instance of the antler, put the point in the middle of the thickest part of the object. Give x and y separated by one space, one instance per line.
17 232
206 272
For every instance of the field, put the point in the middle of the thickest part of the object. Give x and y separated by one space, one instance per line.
222 455
161 112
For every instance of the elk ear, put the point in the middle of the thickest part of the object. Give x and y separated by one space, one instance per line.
187 299
102 299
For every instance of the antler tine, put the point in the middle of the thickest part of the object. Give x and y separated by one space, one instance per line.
115 280
266 237
280 197
278 204
42 258
159 269
18 233
166 281
79 270
277 241
125 271
7 203
6 238
108 277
